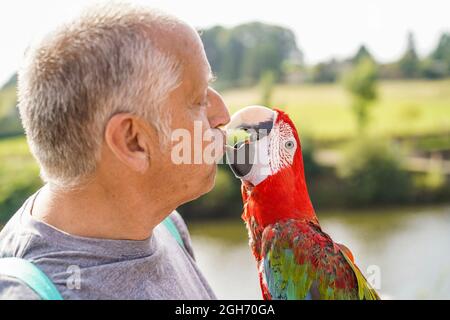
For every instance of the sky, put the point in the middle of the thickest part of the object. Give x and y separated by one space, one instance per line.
324 28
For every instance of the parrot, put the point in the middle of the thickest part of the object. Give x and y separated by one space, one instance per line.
296 259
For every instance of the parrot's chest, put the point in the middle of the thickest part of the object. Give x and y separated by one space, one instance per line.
255 234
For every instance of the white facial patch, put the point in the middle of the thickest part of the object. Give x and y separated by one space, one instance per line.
260 164
282 147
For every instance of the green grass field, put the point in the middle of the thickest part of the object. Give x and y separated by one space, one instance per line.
7 100
15 160
19 175
403 108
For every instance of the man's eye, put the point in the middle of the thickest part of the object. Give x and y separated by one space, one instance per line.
197 105
203 104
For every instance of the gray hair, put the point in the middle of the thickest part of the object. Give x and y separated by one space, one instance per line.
73 81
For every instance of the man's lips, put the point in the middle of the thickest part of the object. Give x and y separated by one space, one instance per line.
224 137
221 135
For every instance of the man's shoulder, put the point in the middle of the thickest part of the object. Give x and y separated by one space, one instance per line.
14 239
178 220
183 230
14 289
14 236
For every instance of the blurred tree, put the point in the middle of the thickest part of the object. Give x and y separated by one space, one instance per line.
372 173
12 82
10 123
409 64
213 41
240 55
312 168
361 83
441 55
233 52
267 83
362 54
325 71
434 69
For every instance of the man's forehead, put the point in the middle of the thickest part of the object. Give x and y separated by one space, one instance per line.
207 76
207 80
202 84
187 45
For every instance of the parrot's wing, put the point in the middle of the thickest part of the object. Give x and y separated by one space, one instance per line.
299 261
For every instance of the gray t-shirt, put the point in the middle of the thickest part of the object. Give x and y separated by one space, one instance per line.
88 268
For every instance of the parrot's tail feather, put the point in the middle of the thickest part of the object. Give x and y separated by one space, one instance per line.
365 291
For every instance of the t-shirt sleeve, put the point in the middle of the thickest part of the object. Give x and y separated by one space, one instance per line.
184 232
14 289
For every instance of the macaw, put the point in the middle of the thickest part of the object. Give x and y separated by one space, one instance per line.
295 258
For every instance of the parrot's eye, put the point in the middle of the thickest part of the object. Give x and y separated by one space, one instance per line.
289 145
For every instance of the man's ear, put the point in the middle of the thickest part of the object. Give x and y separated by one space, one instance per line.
128 141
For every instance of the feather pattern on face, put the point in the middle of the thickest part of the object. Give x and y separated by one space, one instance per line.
282 147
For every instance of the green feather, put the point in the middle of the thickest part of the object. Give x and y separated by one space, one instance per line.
365 291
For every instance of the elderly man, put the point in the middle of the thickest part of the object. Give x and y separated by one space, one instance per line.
99 99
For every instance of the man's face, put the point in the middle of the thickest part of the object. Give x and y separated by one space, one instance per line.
198 110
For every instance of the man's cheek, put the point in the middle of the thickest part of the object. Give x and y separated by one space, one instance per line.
197 143
213 146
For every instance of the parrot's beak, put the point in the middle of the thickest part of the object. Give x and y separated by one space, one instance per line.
247 146
241 159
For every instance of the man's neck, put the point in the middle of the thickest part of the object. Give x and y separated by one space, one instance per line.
97 212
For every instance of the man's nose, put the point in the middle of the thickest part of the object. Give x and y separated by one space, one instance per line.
218 114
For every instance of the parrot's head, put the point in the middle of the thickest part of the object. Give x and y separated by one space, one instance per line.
264 151
261 143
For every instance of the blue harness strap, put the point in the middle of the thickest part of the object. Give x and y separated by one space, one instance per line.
31 275
34 278
170 225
